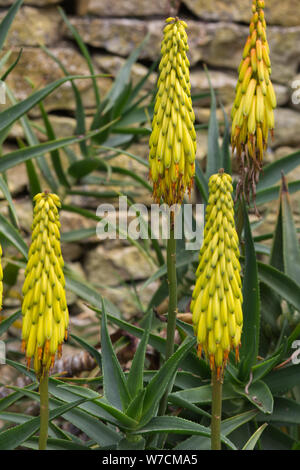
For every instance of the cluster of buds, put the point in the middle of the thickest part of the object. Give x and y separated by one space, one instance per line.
173 139
44 308
217 298
252 113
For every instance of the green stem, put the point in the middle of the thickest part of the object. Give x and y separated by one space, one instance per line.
172 281
216 411
44 411
172 311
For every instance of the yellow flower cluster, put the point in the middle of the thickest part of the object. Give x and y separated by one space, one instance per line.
252 112
217 298
173 139
44 308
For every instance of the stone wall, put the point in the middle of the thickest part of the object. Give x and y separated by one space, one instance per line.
217 30
112 28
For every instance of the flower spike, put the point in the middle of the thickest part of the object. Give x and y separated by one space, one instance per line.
44 309
173 139
252 113
217 298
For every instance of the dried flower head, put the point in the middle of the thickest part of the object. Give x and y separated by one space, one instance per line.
173 139
44 308
217 297
252 113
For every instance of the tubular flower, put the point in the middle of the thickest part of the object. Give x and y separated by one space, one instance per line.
217 298
173 139
252 113
44 308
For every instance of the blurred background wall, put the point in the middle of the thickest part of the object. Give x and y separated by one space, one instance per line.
217 30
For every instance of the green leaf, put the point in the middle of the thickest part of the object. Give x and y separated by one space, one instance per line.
135 376
291 253
182 260
280 283
12 114
55 157
251 443
122 418
84 51
281 380
272 172
176 425
79 111
115 387
123 77
77 235
93 351
201 181
34 183
132 444
276 258
135 407
12 66
5 324
6 193
181 403
12 235
7 21
263 368
83 420
19 156
269 194
158 384
258 394
285 412
203 395
227 426
226 157
251 306
213 152
84 167
191 363
33 140
14 437
55 444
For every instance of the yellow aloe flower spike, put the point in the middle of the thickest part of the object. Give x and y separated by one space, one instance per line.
173 139
44 308
217 298
253 110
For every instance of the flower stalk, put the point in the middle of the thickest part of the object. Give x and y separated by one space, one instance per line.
172 150
216 411
44 308
44 411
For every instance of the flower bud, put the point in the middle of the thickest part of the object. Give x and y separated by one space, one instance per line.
44 307
173 139
217 298
253 116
